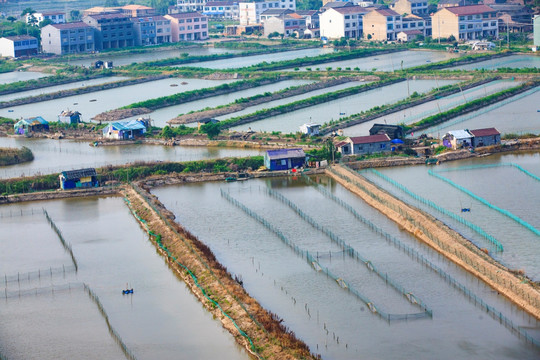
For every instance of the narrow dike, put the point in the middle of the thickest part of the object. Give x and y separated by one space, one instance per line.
517 288
257 330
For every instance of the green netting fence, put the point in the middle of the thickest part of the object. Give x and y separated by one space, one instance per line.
440 209
38 274
493 312
42 290
487 166
312 261
350 251
65 244
487 203
157 238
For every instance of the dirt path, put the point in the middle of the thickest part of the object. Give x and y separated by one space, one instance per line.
270 339
510 283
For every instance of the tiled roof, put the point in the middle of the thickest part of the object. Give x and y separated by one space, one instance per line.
80 173
108 16
73 25
136 7
20 37
370 139
351 10
412 32
386 12
485 132
185 15
470 10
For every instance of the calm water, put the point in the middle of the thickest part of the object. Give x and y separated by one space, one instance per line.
108 99
322 113
155 54
52 156
257 59
56 88
512 61
161 116
518 114
329 319
14 76
161 320
416 113
388 62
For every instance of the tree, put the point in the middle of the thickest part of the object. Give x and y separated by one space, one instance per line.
211 129
32 20
45 23
75 14
28 10
167 132
11 19
111 3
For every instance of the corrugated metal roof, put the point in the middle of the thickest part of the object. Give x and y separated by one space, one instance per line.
127 125
460 134
80 173
285 154
370 139
485 132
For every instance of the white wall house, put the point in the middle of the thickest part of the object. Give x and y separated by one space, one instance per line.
55 17
250 12
346 22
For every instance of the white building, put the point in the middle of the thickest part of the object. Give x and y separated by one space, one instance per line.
222 9
54 16
19 45
190 5
250 12
339 22
310 129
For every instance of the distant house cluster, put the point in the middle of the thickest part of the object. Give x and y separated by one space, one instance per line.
382 138
457 139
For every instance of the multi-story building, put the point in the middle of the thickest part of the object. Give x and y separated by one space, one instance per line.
222 9
465 23
19 45
416 7
112 31
137 10
382 25
413 23
274 13
188 26
163 29
250 12
536 30
69 38
312 18
286 24
151 30
55 17
190 5
343 22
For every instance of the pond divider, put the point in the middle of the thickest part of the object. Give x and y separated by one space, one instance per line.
44 290
66 246
440 209
38 274
516 289
349 250
312 261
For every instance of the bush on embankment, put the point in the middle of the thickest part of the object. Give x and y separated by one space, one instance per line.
134 172
467 59
48 81
11 156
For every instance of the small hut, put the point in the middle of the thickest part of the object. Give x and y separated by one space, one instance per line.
29 125
69 117
284 159
81 178
124 130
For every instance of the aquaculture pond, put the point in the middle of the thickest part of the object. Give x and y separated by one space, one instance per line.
91 104
519 114
335 109
14 76
417 113
281 236
52 156
154 54
512 61
55 88
53 309
161 116
257 59
388 62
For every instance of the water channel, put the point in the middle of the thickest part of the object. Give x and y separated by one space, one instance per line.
512 61
354 104
14 76
331 320
161 320
417 113
52 156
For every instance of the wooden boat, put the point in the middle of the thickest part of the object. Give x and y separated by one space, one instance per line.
230 179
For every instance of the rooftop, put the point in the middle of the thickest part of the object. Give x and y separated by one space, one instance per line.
460 134
386 12
370 139
485 132
80 173
20 37
185 15
470 10
73 25
136 7
352 10
285 154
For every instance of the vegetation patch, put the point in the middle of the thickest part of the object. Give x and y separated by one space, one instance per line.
11 156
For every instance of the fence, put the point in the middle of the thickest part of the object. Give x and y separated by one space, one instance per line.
487 166
52 289
494 313
487 203
66 246
312 261
442 210
349 250
21 213
39 274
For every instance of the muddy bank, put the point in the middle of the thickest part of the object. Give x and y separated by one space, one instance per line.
508 282
11 156
228 109
58 194
46 82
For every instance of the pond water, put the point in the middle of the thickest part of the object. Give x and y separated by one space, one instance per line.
14 76
52 156
161 320
331 320
161 116
51 89
519 114
512 61
416 113
91 104
354 104
154 54
291 99
388 62
257 59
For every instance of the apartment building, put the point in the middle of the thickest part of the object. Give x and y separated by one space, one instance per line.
55 17
112 31
286 24
190 5
222 9
17 46
188 26
137 10
382 25
465 22
68 38
343 22
250 12
416 7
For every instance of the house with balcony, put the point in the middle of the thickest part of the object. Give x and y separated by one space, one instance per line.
416 7
69 38
382 25
19 45
222 9
55 17
286 24
134 10
343 22
151 30
112 31
188 26
465 23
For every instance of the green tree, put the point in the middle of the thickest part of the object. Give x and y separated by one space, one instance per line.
45 23
75 14
11 19
28 10
167 132
111 3
211 129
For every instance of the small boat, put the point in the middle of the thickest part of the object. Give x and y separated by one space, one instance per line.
75 103
428 61
341 113
173 85
93 100
465 209
230 179
184 83
10 110
127 290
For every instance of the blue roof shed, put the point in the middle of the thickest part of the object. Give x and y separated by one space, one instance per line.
284 159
